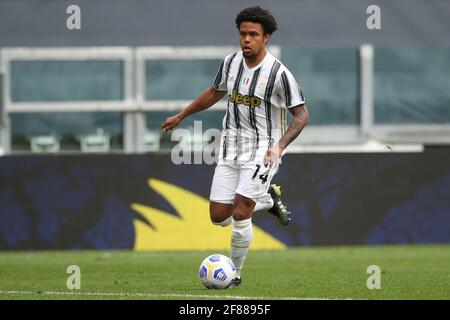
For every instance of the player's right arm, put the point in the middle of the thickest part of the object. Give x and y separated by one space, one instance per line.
205 100
208 98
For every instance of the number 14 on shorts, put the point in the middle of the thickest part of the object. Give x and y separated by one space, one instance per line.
262 177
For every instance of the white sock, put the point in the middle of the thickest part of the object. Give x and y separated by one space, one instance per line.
263 205
241 238
224 223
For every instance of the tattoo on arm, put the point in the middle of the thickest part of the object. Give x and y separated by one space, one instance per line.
299 121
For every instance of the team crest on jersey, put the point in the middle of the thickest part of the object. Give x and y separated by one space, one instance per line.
262 82
246 100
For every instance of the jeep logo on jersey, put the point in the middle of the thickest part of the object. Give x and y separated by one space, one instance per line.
249 101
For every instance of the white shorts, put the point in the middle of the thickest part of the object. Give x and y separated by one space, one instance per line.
250 179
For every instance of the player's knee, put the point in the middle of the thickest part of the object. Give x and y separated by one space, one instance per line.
220 214
240 214
242 208
222 223
220 218
215 218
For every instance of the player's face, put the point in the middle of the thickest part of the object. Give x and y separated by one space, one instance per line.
252 39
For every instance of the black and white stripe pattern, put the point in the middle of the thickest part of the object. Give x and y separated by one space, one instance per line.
251 110
283 121
267 96
287 100
218 77
236 89
237 119
227 120
257 105
301 94
228 67
227 73
227 125
286 89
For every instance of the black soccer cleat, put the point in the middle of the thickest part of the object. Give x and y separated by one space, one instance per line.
279 210
237 282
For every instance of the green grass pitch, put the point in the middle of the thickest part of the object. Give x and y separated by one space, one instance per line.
407 272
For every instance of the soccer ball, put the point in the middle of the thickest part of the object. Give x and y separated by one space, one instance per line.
217 272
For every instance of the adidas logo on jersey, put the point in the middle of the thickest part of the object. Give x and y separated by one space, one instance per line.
238 98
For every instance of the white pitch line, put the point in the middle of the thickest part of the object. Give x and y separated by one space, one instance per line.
150 295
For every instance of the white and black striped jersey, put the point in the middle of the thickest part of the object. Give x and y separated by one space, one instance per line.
258 99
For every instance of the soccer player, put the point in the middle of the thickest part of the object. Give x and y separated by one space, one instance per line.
254 137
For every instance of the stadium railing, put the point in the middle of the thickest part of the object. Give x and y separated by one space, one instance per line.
73 93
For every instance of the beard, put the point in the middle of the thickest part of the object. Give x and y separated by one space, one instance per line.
250 55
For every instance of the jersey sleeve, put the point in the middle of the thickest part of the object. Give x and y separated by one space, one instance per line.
220 78
290 92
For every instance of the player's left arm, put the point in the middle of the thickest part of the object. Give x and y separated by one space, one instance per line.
300 119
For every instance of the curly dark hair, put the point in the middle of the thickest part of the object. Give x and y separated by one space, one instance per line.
257 14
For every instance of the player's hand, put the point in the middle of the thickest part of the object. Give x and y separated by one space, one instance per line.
272 156
171 123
